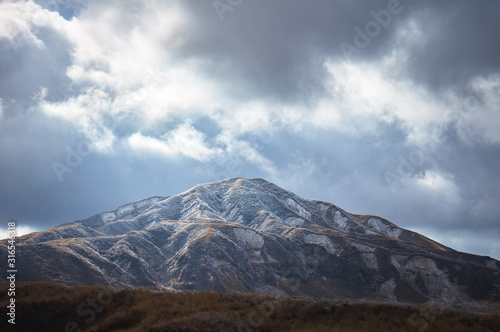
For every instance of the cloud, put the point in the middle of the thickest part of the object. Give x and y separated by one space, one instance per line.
128 65
236 148
252 116
18 22
190 142
482 115
184 140
86 112
440 188
366 93
140 142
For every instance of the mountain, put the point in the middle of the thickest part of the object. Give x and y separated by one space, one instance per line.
253 236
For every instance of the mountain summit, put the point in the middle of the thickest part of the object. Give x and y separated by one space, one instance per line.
253 236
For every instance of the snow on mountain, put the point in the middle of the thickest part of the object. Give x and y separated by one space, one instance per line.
253 236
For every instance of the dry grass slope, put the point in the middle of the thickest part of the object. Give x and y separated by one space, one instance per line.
43 306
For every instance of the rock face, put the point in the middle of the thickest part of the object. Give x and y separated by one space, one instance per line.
252 236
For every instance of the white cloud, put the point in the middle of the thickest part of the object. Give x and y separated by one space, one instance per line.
140 142
86 111
244 117
327 115
189 142
184 140
121 63
438 189
243 149
436 181
17 22
366 93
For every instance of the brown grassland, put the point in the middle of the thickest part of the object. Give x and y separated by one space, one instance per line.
44 306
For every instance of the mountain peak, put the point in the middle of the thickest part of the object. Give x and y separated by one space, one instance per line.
251 235
238 182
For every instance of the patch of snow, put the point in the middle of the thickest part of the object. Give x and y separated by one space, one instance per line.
340 220
239 220
249 238
323 207
293 222
233 213
89 263
387 289
370 232
432 264
436 280
108 216
379 225
147 202
362 247
219 267
125 266
422 264
298 208
395 262
370 260
394 232
321 240
126 209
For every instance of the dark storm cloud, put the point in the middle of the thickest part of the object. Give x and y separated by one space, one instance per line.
460 43
277 48
26 68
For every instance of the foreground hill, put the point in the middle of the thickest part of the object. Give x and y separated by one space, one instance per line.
43 307
253 236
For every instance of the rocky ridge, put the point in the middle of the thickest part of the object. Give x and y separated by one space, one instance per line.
253 236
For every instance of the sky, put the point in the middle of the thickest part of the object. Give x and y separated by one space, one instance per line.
388 107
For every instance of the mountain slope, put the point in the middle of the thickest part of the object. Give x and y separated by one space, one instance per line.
251 235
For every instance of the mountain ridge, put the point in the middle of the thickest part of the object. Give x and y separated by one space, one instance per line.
253 236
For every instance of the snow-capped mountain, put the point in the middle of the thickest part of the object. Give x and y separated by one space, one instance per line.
253 236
